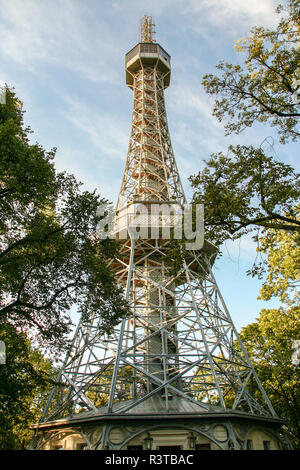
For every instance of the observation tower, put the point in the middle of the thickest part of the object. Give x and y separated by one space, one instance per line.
174 374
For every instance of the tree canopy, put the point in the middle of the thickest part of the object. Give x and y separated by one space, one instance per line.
267 87
25 381
50 258
244 189
269 343
283 266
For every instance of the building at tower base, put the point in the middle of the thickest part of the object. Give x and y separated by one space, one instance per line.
149 427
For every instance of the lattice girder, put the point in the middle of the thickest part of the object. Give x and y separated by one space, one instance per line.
179 344
178 341
151 172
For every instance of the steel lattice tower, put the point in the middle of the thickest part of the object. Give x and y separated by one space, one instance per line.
178 359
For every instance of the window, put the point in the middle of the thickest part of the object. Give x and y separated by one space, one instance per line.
249 444
267 445
202 447
81 446
137 447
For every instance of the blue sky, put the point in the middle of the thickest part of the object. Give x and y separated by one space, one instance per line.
65 59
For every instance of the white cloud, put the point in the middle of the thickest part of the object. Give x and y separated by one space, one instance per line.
189 98
195 131
103 130
88 169
219 13
88 37
63 33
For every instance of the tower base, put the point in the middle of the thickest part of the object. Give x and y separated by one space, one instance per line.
149 427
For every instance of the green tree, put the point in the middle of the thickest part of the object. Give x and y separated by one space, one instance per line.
266 88
25 381
269 341
283 266
245 190
50 256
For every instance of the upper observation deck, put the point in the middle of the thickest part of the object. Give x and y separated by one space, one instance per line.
147 54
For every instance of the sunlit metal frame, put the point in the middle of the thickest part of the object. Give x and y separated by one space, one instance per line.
179 340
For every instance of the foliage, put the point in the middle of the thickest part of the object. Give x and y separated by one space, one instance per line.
269 344
269 341
246 191
283 265
25 381
267 87
50 257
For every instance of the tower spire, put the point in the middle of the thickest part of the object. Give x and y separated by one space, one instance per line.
147 29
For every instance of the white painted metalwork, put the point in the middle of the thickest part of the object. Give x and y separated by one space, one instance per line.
179 345
147 29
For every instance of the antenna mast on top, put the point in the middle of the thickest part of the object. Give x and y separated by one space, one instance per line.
147 29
